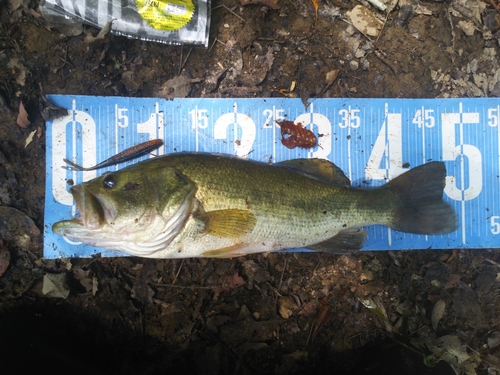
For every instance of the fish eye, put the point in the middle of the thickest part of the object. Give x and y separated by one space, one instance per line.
109 182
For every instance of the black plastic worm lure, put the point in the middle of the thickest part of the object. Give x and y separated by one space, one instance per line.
128 154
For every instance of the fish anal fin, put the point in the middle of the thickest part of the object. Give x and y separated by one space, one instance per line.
225 252
320 169
346 241
229 223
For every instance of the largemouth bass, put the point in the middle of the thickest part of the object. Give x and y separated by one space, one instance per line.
208 205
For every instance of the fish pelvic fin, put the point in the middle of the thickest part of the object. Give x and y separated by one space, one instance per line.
347 241
225 252
422 209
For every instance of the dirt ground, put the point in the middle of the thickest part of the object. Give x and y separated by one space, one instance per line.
420 312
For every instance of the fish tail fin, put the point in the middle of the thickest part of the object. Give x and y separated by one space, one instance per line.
422 209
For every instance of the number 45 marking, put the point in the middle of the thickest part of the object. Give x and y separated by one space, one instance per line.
424 117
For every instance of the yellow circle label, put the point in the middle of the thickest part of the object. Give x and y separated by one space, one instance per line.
168 15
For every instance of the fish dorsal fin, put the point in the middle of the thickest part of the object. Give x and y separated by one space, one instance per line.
229 223
320 169
344 242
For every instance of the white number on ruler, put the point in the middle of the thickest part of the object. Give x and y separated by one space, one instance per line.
451 152
241 146
350 118
424 117
121 117
389 143
60 139
495 224
199 118
273 115
152 127
493 116
324 126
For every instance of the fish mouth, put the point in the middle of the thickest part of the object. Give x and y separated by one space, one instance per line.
92 214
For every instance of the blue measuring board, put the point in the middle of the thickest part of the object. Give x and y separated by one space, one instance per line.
372 140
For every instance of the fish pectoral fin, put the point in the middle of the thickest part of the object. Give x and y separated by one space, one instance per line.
225 252
230 223
346 241
320 169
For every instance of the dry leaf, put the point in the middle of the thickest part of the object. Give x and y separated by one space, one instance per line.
493 339
255 272
4 258
331 76
83 276
309 308
212 81
178 87
364 20
286 304
54 285
95 285
234 281
50 111
437 313
324 315
30 138
269 58
15 4
94 41
18 229
316 7
142 292
22 117
19 69
452 281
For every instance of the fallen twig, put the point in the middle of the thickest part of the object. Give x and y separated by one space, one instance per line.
178 272
230 11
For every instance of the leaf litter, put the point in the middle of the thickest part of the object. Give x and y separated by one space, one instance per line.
54 285
4 258
22 117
